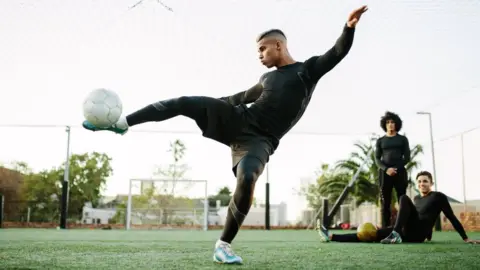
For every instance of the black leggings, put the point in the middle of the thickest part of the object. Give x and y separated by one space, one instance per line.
248 171
387 184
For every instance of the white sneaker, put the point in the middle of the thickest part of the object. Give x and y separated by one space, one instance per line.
121 127
322 232
224 254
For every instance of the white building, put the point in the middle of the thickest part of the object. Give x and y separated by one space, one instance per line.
92 215
256 215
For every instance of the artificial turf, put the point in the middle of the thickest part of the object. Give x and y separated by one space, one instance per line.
118 249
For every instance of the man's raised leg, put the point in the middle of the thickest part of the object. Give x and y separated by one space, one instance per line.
207 112
248 171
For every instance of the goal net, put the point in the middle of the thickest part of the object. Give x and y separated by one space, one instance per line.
167 204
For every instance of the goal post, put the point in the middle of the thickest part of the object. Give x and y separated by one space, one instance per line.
167 204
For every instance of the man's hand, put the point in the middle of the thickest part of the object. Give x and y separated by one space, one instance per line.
354 17
391 171
472 241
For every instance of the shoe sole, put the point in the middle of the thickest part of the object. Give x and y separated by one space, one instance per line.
390 242
220 262
235 263
101 129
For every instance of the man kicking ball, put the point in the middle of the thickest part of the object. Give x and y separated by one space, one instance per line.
415 220
253 133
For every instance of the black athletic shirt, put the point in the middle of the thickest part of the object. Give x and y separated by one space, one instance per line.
282 96
430 206
392 152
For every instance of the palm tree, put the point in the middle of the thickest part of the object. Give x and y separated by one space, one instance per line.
329 185
362 190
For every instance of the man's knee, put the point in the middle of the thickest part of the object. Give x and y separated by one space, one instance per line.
405 202
247 177
403 199
248 171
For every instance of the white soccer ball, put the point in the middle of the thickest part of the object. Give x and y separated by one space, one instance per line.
102 108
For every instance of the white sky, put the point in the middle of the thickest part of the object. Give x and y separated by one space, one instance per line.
407 56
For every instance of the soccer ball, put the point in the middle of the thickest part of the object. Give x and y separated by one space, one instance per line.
367 232
102 108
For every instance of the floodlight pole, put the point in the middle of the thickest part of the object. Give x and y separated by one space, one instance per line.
267 200
463 176
438 224
64 202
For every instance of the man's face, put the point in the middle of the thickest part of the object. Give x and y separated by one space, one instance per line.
390 125
269 52
424 184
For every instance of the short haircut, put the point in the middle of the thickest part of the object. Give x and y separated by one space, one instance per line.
391 116
271 32
425 173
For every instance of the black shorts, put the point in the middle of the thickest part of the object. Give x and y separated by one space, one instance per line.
217 119
229 125
252 143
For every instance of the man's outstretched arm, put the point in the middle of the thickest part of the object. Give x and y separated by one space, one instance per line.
320 65
245 97
447 210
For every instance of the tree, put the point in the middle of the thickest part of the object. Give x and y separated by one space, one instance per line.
329 185
42 192
175 170
225 190
223 195
87 175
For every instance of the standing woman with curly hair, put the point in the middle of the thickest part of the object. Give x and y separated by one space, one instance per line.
392 153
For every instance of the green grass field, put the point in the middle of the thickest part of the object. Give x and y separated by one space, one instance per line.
116 249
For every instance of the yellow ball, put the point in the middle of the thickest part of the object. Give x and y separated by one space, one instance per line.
367 232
